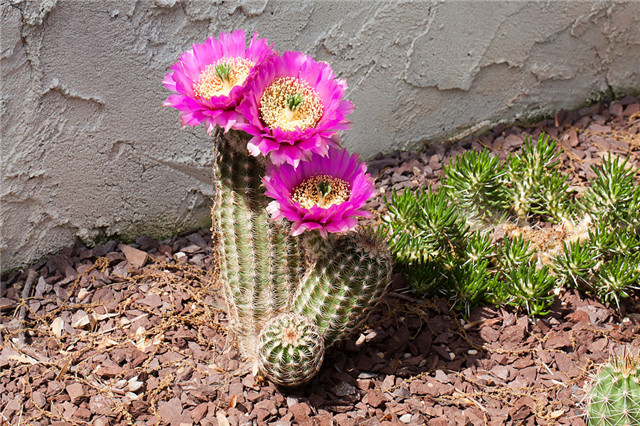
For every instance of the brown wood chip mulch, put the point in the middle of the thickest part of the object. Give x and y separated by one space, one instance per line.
136 334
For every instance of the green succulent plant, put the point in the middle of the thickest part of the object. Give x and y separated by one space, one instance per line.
444 240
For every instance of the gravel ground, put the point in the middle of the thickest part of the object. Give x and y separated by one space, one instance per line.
122 334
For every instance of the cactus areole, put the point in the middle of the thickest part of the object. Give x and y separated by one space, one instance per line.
298 275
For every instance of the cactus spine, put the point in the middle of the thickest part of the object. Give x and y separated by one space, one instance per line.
259 261
613 398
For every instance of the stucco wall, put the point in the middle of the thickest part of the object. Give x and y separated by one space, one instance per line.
87 150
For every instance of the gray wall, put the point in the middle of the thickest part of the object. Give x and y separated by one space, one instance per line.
88 151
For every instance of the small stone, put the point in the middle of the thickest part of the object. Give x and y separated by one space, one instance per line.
300 411
374 398
199 412
441 376
343 389
39 399
135 257
291 401
556 340
236 389
76 392
100 404
405 418
170 410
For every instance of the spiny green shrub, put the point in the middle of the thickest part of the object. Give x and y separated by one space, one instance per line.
448 241
613 396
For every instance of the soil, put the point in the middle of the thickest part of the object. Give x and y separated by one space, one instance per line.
122 334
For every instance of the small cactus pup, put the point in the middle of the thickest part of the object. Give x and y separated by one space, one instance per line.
290 349
613 397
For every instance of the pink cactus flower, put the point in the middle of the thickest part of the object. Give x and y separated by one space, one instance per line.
210 79
326 193
292 108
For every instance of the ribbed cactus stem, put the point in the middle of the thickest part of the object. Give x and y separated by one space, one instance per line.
290 349
348 274
259 261
614 395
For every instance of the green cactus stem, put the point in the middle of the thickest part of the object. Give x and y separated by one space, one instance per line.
282 316
613 398
290 349
259 262
348 274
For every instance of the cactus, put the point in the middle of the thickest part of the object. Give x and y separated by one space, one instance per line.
259 261
290 349
613 397
346 278
226 84
267 288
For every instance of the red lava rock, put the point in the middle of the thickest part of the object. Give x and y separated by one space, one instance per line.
236 389
631 109
39 399
76 392
489 334
556 340
170 410
502 372
152 301
579 316
268 405
374 398
300 411
563 361
199 412
135 257
82 413
100 404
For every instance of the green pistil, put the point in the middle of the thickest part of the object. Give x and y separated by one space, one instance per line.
223 70
324 187
294 102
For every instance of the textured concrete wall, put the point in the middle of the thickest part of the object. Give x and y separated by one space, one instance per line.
87 150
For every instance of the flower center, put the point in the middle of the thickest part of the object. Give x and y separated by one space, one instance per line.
321 190
289 103
218 79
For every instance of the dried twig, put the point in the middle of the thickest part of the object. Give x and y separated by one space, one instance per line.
404 297
31 277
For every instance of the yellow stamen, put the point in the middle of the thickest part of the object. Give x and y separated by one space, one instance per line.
276 113
210 84
308 194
